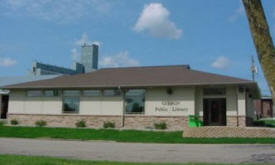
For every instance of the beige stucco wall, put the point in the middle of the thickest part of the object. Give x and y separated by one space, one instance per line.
19 103
241 103
199 101
101 105
185 101
231 101
0 101
250 110
182 100
155 98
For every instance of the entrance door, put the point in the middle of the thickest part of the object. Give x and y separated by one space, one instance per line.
214 112
4 106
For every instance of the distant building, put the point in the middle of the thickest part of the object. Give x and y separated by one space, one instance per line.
88 63
263 107
89 57
47 69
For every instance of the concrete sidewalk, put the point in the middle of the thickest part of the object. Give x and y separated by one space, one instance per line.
137 152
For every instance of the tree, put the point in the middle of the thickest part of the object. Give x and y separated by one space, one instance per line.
262 41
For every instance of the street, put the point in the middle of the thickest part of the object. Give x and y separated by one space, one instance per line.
137 152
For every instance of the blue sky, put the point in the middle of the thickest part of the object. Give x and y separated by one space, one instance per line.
210 35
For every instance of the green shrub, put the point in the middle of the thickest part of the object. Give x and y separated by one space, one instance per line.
161 125
2 123
80 124
40 123
109 124
14 122
264 123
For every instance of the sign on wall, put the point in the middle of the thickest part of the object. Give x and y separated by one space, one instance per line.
171 106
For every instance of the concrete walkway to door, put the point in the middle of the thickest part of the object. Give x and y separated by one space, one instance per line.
137 152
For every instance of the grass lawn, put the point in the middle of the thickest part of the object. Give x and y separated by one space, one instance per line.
121 135
38 160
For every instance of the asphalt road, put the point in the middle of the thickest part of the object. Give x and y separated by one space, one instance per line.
137 152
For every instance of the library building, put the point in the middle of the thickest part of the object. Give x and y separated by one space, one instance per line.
135 98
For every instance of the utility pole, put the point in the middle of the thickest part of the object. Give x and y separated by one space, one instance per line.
253 68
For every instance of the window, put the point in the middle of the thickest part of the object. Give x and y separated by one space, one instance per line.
50 93
213 91
91 93
111 92
134 100
71 93
34 93
70 104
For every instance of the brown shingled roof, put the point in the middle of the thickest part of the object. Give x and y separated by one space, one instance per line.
177 75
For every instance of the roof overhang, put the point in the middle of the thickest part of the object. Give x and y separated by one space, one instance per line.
252 87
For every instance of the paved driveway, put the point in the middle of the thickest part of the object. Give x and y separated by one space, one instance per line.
137 152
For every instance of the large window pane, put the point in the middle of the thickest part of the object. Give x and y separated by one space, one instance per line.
71 93
111 92
34 93
70 104
91 93
50 93
134 100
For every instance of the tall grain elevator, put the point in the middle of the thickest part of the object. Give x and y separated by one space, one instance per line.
89 57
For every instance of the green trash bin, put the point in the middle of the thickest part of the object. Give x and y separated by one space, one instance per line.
194 121
199 123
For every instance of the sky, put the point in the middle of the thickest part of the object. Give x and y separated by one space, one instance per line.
210 35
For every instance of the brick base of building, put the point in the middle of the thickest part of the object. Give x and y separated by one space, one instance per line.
238 121
128 121
221 131
93 121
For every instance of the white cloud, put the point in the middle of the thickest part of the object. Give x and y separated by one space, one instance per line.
155 19
55 10
75 54
84 39
221 63
239 12
121 59
7 62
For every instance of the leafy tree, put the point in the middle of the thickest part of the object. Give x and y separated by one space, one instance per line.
262 41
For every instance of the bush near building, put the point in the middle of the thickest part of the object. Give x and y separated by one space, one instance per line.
40 123
265 123
14 122
109 124
2 123
80 124
161 125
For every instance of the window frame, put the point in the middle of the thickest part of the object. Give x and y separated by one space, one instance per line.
117 93
85 95
55 93
41 93
143 102
73 95
63 105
